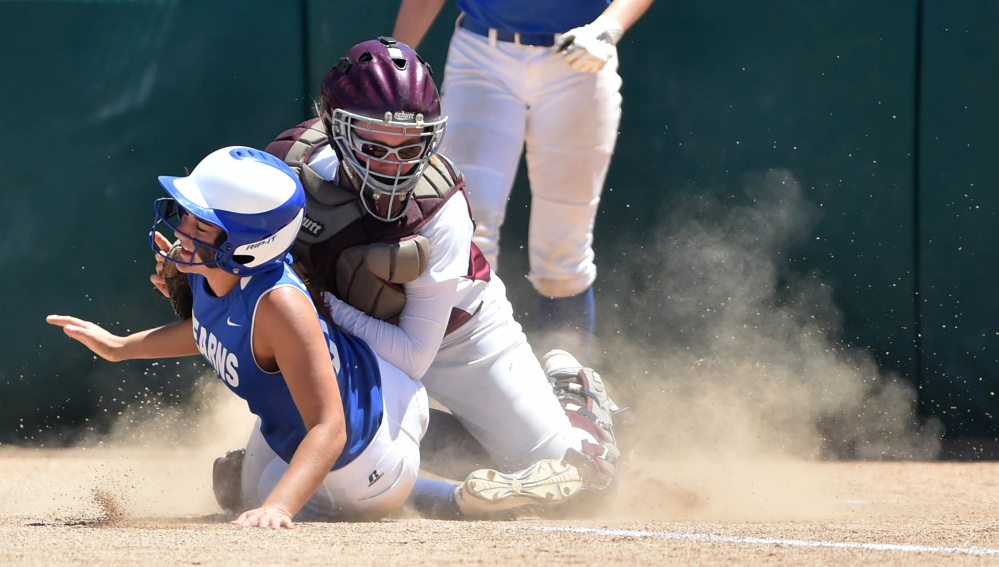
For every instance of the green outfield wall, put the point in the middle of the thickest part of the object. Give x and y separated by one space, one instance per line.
877 114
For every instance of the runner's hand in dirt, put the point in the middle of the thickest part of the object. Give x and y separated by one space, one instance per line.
273 518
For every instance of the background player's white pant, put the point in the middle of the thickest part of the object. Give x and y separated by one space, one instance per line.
499 95
371 486
488 376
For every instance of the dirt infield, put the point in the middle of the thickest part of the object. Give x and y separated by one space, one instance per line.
141 495
112 506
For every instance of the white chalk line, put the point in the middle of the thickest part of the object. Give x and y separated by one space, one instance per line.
775 541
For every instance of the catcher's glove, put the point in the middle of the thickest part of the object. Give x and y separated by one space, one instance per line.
181 298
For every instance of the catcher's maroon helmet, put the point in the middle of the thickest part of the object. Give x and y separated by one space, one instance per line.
382 83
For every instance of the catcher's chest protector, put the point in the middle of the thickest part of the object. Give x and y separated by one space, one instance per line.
334 210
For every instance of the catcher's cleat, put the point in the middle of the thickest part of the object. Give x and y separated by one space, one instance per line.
582 394
488 493
597 464
227 479
584 398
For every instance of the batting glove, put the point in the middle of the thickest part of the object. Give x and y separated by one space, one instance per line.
590 47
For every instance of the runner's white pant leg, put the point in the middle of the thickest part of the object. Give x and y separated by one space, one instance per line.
375 483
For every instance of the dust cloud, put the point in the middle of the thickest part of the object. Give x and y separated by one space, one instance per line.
734 366
736 369
156 460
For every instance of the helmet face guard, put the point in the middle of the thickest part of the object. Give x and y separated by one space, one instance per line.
380 192
255 198
170 214
382 86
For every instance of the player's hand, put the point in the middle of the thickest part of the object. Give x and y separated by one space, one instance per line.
273 518
157 278
92 335
590 47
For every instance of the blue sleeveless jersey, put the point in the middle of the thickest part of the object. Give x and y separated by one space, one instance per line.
533 16
223 328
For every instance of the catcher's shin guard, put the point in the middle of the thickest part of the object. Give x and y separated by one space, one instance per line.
227 480
584 398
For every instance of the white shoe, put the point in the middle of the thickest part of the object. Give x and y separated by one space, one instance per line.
583 396
547 482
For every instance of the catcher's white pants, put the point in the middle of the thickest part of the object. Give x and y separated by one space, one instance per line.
499 96
488 376
350 493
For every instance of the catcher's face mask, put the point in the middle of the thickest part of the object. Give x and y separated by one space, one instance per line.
386 169
378 84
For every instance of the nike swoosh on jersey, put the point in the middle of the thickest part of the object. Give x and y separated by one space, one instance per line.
231 324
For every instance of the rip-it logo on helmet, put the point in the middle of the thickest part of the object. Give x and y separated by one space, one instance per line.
255 198
256 245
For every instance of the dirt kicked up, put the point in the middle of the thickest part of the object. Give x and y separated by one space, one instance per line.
131 506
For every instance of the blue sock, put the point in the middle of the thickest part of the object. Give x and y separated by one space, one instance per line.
434 499
576 314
